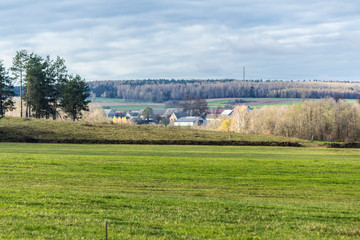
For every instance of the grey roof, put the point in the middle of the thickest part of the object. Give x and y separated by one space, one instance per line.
189 119
133 114
159 112
170 111
180 114
107 111
227 112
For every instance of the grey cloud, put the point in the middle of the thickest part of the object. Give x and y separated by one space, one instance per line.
188 39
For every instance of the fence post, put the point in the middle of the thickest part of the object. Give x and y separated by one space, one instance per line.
106 230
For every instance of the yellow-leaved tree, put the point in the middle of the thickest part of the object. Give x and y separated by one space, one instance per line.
225 125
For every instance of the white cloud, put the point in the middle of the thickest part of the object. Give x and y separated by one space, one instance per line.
188 39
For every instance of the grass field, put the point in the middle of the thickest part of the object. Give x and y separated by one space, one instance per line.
23 130
54 191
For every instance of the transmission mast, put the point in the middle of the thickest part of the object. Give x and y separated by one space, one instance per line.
243 73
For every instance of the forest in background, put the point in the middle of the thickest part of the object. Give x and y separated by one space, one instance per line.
165 90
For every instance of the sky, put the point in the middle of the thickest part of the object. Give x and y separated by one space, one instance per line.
188 39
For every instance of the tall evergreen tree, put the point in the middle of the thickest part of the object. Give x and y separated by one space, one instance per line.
74 97
6 92
58 75
18 70
37 87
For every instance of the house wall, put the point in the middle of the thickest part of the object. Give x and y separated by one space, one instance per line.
173 118
184 124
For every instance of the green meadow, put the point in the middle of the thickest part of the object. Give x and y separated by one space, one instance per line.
68 191
255 102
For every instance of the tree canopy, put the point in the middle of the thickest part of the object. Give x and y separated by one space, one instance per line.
6 92
176 90
74 98
46 87
147 113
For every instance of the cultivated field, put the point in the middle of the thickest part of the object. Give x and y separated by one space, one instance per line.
121 104
60 191
252 102
129 105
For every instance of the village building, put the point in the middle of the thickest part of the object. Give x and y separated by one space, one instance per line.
189 121
109 113
175 116
170 111
159 112
133 115
227 112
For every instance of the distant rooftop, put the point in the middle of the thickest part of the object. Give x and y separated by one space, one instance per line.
189 119
227 112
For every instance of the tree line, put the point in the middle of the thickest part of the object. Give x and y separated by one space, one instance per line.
165 90
45 87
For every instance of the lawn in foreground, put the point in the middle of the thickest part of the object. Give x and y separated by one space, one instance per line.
54 191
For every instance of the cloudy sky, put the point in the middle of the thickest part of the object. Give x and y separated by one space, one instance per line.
141 39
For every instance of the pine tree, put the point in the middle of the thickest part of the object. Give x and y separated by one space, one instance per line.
37 87
57 74
74 97
6 92
18 70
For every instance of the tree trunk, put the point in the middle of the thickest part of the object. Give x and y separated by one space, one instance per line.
1 107
26 110
54 109
21 97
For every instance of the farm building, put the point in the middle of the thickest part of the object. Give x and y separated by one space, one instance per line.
133 115
175 116
170 111
109 113
189 121
159 112
227 112
120 114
